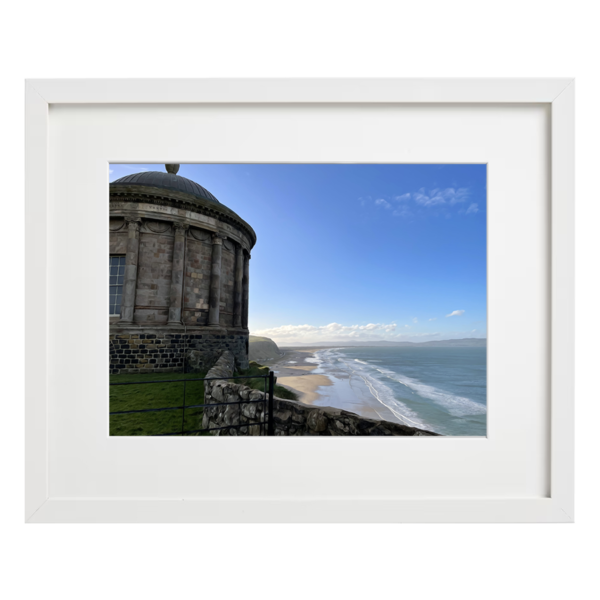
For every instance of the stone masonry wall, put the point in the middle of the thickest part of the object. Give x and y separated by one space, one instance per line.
164 350
153 286
196 283
291 417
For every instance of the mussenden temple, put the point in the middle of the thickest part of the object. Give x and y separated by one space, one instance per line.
179 275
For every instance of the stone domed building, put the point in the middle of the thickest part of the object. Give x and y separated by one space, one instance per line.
179 275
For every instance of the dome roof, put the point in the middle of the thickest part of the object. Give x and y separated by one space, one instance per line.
181 190
167 181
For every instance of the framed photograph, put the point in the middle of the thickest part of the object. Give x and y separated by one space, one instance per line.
399 348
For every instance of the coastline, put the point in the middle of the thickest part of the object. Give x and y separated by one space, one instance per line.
295 373
298 371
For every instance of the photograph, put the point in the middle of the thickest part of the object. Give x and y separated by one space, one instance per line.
320 269
298 299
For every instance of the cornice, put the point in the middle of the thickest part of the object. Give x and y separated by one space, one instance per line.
180 200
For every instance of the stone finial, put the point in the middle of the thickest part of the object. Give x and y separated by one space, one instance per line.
172 169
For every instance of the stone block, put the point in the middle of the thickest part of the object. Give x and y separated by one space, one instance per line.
317 421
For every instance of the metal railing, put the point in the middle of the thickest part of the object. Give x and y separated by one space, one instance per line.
267 400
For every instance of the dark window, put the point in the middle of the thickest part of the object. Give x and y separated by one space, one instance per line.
116 279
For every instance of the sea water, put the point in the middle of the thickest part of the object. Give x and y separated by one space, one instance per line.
439 389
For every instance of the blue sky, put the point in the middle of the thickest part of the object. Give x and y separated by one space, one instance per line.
358 252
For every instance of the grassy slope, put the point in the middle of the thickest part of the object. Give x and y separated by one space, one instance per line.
157 395
259 384
162 395
262 349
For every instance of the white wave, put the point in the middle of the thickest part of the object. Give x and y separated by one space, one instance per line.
361 361
385 396
457 406
292 362
312 360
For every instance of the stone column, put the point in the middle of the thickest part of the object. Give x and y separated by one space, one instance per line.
177 268
245 289
131 264
215 281
239 275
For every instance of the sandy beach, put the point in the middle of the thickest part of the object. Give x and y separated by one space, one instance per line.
296 373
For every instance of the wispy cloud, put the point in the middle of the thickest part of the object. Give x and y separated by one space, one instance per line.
456 313
289 334
439 196
415 320
402 198
422 199
382 202
433 318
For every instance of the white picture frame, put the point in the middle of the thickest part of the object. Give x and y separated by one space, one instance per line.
42 505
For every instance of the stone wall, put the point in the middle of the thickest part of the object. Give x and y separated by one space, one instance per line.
197 277
290 417
154 273
164 350
153 286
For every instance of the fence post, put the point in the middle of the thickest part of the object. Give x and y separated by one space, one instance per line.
271 423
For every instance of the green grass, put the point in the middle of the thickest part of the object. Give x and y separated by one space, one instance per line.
259 384
163 395
155 395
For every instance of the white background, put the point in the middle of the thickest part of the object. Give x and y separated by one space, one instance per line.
512 462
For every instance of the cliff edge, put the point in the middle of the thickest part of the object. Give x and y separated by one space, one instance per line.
262 348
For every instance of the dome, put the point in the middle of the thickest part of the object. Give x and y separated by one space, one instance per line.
167 181
174 189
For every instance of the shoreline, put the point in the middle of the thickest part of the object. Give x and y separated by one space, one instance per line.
295 372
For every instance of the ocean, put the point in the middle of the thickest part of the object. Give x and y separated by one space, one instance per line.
439 389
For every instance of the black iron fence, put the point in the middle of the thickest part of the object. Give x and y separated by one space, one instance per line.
266 425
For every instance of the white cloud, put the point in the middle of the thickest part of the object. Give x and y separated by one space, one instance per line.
382 202
433 318
458 195
427 201
415 320
402 198
472 209
438 196
290 334
110 171
456 313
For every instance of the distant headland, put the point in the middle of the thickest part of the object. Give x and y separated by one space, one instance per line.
462 343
